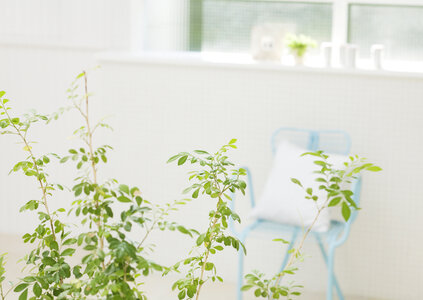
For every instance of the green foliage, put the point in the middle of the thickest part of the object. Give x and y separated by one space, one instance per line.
215 178
2 277
299 44
264 288
336 183
49 266
113 265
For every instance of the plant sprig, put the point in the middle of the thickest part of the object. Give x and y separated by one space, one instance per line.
49 260
114 263
336 186
215 178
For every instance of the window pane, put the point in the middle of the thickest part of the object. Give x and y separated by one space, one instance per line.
226 24
399 28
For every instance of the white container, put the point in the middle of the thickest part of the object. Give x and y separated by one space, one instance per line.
348 55
326 50
343 55
352 51
377 52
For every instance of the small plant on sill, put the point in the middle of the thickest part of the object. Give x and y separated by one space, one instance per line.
215 178
334 182
299 45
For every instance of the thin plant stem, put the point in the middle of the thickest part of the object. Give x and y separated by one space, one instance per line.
89 142
37 170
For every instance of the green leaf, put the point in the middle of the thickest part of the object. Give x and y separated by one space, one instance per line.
124 199
182 160
200 239
195 194
37 290
173 158
281 240
24 295
346 211
54 245
201 152
183 230
334 201
181 294
233 141
209 266
296 181
374 169
246 288
20 287
68 252
257 292
124 188
320 163
69 242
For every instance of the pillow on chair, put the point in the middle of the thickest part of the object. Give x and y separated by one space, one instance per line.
283 201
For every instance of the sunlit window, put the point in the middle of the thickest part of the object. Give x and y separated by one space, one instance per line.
227 25
398 28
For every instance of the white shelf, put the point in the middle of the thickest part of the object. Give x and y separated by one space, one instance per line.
244 61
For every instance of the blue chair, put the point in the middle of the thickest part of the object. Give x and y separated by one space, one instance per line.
330 141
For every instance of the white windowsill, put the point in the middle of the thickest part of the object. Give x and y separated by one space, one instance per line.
237 61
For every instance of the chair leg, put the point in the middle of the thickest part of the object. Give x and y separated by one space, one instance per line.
240 274
291 244
330 260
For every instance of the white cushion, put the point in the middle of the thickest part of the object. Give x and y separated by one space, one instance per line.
283 201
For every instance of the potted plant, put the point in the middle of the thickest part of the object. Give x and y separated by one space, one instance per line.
298 46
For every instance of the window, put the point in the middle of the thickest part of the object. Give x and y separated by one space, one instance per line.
225 25
398 28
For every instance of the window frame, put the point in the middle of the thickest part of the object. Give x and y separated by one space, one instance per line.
340 16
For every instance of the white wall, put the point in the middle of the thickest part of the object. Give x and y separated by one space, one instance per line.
166 108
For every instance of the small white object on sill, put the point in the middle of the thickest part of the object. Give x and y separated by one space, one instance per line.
267 42
377 52
348 56
326 49
352 52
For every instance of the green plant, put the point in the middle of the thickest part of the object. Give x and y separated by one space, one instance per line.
48 260
3 293
215 179
113 263
299 44
335 182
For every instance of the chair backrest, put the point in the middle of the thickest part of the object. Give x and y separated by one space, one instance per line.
330 141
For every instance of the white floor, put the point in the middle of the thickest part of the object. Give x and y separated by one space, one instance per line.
156 287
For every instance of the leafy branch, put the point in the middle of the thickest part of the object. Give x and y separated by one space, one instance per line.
334 182
49 261
114 264
215 178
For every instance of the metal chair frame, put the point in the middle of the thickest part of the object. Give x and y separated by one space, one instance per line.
335 236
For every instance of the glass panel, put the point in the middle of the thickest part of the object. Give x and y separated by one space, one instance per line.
398 28
226 24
